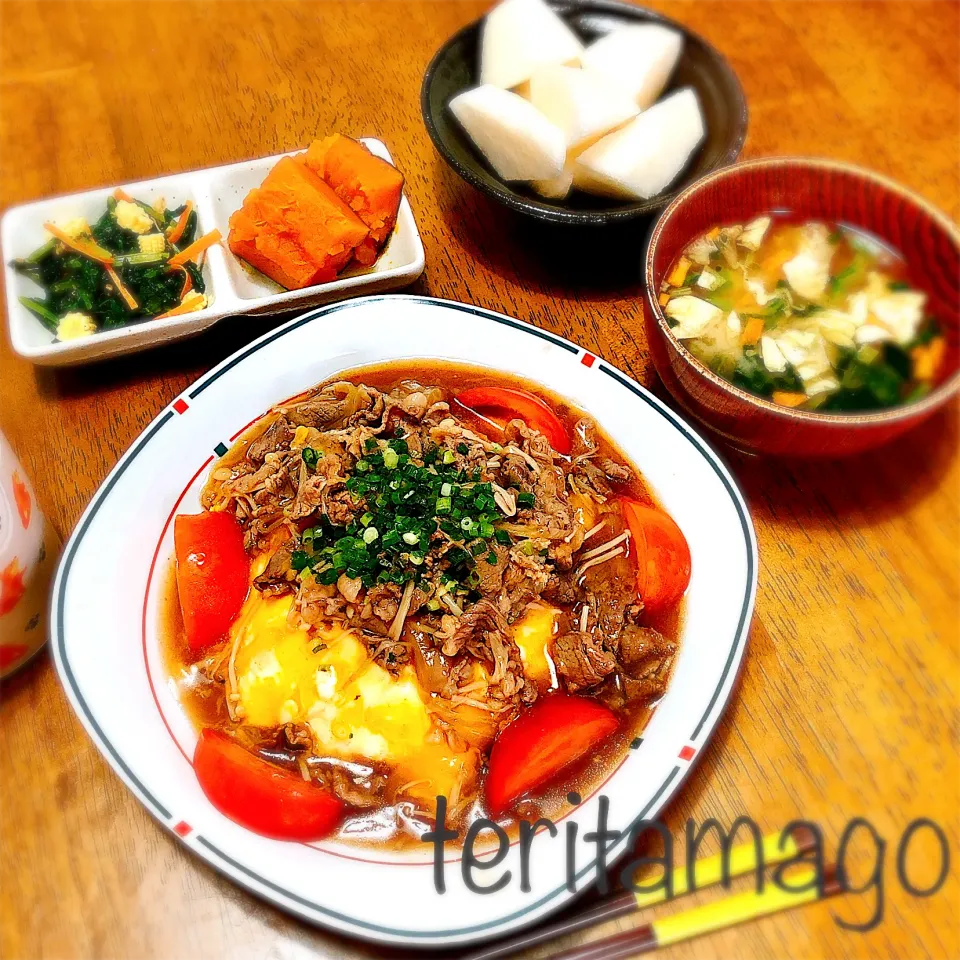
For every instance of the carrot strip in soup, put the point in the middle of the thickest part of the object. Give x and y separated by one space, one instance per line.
121 194
787 398
752 331
679 273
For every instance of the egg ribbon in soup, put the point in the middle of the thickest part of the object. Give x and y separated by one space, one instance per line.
813 315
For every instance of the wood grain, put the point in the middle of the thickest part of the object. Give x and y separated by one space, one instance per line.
848 702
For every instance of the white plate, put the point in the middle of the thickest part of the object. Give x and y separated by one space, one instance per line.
106 599
232 285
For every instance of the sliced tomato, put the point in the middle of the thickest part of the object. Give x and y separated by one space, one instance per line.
213 574
554 733
661 553
518 404
260 796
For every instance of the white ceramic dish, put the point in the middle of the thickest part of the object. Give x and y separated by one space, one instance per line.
233 286
106 596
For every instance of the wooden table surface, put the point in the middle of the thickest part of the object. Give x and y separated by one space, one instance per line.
848 703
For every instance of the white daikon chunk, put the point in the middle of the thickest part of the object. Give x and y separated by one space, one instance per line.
519 37
639 57
583 105
643 158
519 142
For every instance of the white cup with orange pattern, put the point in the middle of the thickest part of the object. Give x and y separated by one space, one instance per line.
28 549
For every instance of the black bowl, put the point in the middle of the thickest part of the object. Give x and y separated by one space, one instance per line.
456 67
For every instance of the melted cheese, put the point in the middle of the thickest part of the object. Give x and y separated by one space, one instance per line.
533 634
356 710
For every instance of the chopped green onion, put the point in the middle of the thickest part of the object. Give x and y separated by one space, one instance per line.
446 489
370 534
390 458
448 457
525 499
41 251
50 319
366 518
411 538
140 259
443 505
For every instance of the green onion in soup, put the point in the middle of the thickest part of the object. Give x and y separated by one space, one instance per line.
812 315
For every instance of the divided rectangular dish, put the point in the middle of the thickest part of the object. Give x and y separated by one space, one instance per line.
233 286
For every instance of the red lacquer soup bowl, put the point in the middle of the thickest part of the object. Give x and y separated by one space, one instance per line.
818 190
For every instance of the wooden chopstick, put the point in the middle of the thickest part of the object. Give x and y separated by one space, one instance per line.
707 872
727 912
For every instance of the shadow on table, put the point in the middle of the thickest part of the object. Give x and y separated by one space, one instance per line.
860 490
598 263
186 358
15 683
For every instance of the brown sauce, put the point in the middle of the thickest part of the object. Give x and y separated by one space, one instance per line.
387 827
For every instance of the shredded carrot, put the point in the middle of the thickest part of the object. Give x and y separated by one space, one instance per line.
87 247
787 398
128 298
198 304
752 331
664 299
195 249
679 273
121 194
187 283
181 224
